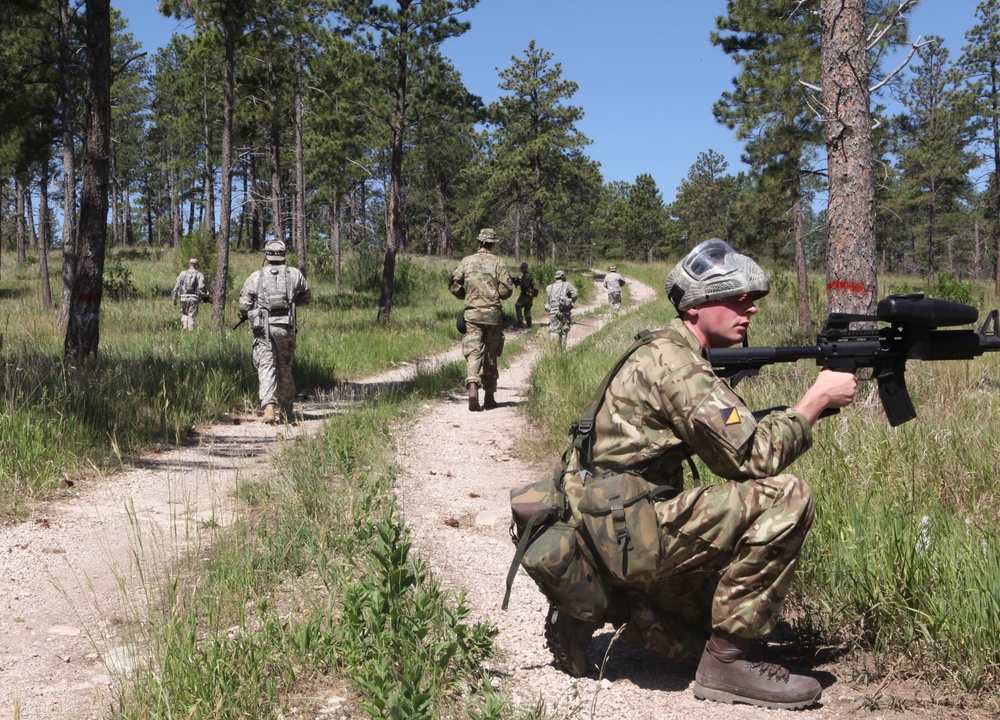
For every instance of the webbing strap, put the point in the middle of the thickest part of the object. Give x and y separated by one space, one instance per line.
522 547
583 427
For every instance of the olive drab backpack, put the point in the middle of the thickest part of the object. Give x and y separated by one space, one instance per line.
578 533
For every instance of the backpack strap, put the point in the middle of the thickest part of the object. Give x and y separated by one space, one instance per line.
540 518
582 429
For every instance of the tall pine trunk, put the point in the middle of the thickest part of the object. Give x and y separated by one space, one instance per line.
83 329
66 97
851 277
222 253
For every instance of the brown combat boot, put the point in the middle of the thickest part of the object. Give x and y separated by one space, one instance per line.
269 415
473 397
568 639
489 401
726 675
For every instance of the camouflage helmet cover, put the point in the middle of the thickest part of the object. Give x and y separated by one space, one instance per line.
560 275
487 236
712 271
524 266
193 261
614 268
274 250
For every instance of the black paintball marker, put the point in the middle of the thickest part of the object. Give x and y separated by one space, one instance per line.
912 334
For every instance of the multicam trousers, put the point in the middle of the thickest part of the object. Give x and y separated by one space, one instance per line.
273 361
482 345
728 554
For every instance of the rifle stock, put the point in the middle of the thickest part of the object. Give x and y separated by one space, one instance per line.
912 334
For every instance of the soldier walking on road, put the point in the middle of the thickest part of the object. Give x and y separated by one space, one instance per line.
528 294
482 281
559 299
268 300
190 291
613 283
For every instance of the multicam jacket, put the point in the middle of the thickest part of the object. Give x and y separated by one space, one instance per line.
667 404
560 296
483 282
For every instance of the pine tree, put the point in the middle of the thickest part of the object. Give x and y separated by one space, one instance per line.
980 63
534 140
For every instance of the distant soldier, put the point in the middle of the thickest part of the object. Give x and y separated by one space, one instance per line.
482 281
613 284
190 291
559 299
268 300
528 294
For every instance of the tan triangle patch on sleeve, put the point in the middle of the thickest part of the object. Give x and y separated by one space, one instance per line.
730 416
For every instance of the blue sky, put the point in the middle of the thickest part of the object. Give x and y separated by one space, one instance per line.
646 71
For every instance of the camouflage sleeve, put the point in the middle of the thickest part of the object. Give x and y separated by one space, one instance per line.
177 288
248 294
715 423
303 293
456 283
505 286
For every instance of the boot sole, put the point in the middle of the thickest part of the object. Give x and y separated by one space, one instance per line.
705 693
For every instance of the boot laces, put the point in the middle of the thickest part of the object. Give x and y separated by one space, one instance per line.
774 671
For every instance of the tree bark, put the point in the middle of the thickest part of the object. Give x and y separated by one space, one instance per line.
335 239
83 329
851 277
801 269
300 170
277 193
394 228
222 252
44 233
20 231
69 167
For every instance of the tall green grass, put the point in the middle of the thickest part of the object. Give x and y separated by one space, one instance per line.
317 585
905 537
151 382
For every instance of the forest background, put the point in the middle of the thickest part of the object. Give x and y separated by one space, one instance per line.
342 125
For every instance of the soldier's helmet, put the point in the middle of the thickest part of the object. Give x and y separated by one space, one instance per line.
487 236
712 271
614 269
274 251
524 267
193 261
560 275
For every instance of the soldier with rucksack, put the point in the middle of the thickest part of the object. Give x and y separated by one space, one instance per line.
268 300
613 283
482 282
190 291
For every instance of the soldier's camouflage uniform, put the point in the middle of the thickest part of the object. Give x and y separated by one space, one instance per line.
728 550
559 299
522 307
189 290
613 284
273 292
482 280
